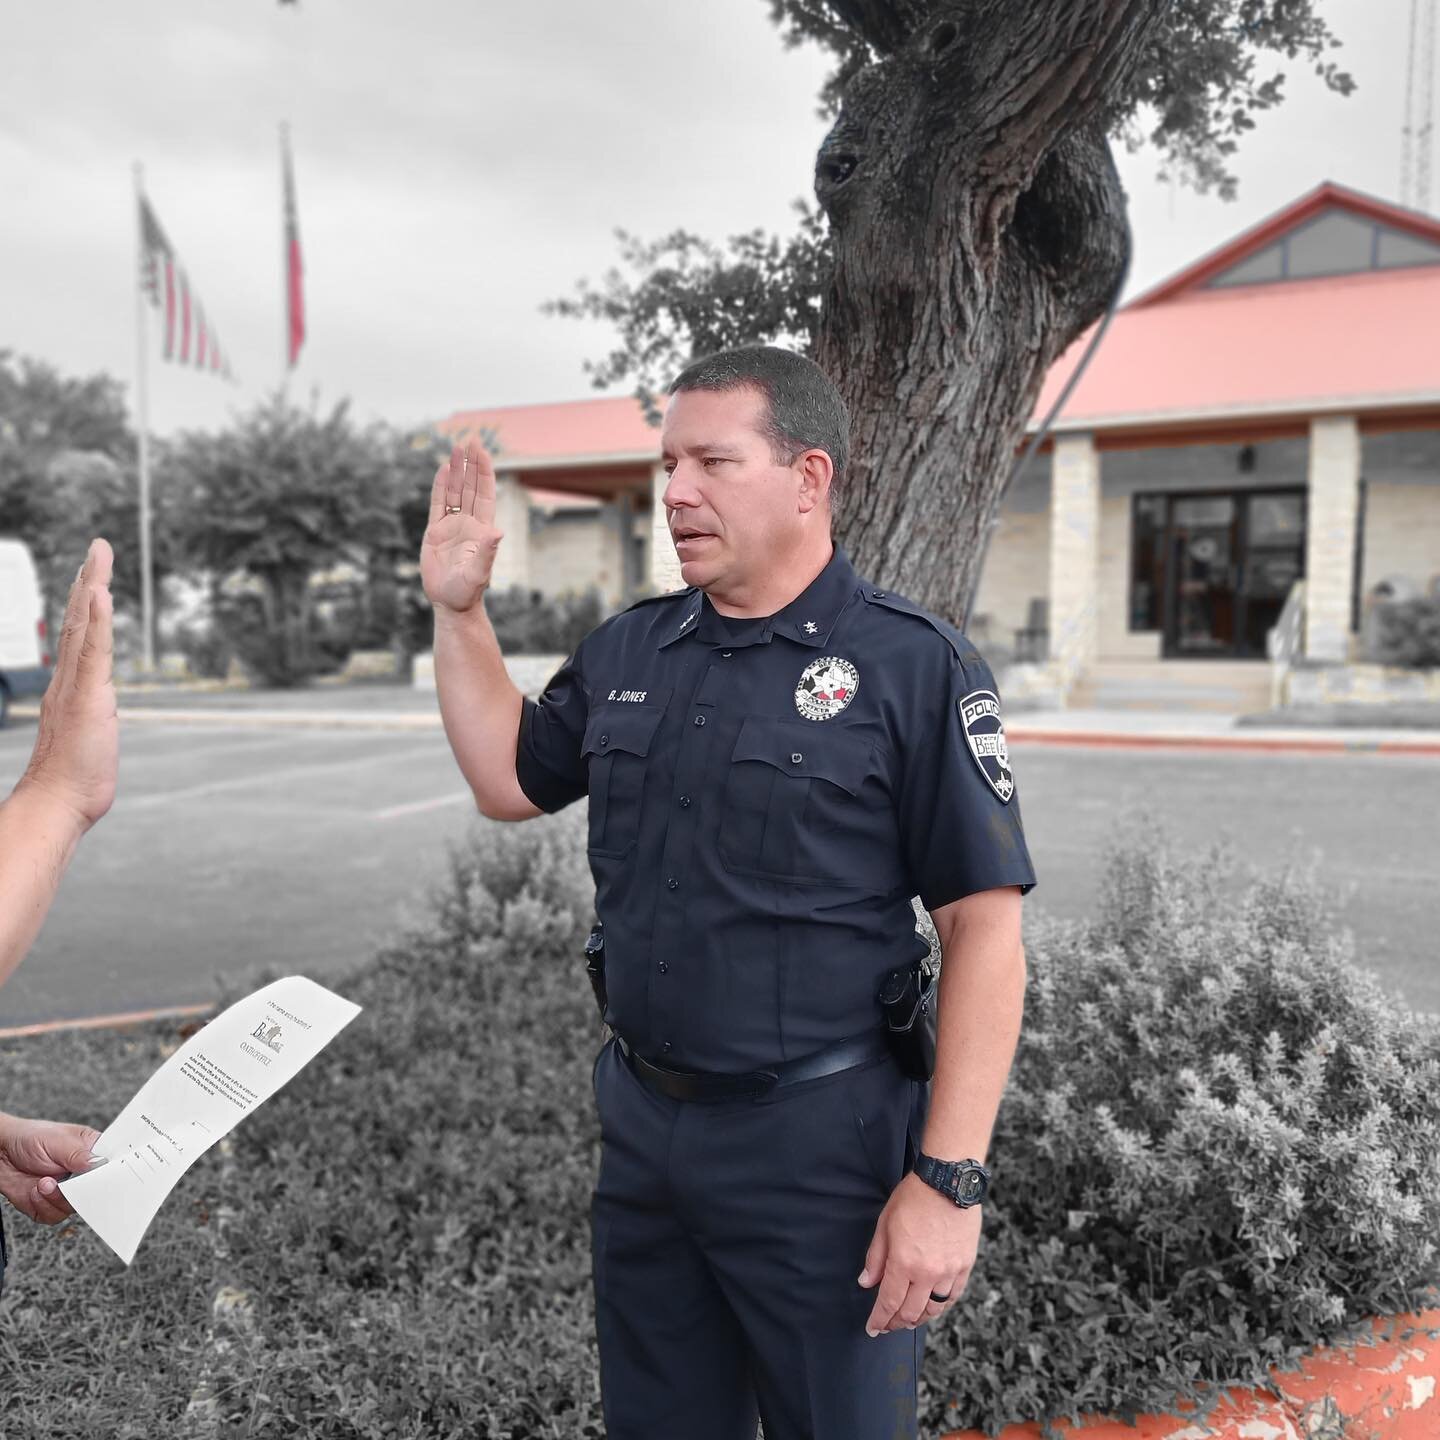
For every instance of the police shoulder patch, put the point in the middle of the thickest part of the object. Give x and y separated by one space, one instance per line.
985 735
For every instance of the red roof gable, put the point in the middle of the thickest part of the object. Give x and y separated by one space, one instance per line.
609 429
1180 351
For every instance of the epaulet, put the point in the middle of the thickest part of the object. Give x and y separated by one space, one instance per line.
964 651
664 595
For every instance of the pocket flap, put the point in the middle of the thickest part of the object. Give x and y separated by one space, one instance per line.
799 747
621 727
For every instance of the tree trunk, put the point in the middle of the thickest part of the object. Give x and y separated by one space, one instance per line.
978 227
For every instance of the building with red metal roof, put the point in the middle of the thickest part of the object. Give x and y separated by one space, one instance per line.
1254 447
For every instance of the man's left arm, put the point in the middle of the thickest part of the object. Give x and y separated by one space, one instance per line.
923 1241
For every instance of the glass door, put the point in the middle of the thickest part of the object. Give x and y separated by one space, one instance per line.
1273 560
1201 611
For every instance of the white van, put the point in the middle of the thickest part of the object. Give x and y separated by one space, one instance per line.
24 650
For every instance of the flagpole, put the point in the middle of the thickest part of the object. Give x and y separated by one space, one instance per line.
142 416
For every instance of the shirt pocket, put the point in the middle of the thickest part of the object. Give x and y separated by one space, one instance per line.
615 750
792 807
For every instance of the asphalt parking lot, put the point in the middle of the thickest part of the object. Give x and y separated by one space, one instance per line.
233 848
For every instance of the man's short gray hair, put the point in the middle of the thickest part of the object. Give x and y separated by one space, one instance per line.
804 409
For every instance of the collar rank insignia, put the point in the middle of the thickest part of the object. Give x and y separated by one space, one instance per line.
811 627
980 715
826 687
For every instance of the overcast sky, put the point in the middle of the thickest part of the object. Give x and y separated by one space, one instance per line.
457 163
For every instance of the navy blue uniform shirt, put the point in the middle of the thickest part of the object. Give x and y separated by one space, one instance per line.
766 796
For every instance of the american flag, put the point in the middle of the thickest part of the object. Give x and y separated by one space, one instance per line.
164 283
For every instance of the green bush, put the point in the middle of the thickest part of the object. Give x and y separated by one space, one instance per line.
1407 632
529 622
414 1211
1220 1145
89 1348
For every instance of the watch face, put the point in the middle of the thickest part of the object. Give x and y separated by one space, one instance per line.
972 1184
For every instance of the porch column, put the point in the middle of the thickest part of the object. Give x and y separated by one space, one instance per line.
1074 556
617 525
1334 479
664 562
512 518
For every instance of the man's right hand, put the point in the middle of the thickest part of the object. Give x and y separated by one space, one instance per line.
457 553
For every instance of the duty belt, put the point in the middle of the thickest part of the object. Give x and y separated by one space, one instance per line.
733 1085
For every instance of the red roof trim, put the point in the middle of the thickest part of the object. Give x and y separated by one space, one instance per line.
1325 196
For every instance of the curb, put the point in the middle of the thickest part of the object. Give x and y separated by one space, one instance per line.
1258 744
106 1022
1017 730
1381 1391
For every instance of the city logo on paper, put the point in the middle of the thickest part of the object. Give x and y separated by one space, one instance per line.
267 1033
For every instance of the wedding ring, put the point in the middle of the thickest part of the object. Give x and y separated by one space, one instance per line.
452 509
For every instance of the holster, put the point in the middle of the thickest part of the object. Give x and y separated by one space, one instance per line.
595 965
908 997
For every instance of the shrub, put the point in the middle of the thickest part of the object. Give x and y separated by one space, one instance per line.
529 622
1220 1144
1407 632
414 1211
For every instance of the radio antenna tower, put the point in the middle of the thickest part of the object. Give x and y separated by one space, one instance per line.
1416 133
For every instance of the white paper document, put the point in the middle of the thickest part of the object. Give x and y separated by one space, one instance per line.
211 1083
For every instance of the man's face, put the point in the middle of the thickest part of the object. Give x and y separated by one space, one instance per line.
725 484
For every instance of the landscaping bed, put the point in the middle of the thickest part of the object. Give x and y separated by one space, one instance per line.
1219 1148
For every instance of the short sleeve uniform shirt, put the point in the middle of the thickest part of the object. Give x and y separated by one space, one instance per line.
766 796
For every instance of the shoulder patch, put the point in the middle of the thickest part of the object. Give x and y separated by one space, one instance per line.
965 652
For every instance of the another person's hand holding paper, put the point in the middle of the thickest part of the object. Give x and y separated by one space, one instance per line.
35 1155
67 786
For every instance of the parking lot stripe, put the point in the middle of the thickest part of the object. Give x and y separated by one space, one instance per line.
268 777
418 807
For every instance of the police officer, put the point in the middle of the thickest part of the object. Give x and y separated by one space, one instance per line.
777 758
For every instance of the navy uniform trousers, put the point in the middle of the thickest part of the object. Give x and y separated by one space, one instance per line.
727 1241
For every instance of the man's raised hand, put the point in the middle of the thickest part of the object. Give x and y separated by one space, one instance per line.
457 554
76 755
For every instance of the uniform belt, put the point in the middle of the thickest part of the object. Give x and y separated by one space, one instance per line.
730 1085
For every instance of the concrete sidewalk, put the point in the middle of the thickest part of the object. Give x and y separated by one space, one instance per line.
401 707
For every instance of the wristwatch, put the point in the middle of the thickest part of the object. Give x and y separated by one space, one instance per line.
966 1182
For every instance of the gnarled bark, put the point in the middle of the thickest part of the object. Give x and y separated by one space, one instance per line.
978 227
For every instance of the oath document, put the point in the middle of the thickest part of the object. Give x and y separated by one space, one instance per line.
211 1083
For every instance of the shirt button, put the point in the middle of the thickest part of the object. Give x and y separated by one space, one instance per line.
877 594
726 654
796 757
604 739
664 966
699 719
665 1046
673 883
684 802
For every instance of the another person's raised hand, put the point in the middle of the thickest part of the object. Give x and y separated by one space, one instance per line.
76 756
35 1155
457 553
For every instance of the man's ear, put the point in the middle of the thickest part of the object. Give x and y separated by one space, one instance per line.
816 472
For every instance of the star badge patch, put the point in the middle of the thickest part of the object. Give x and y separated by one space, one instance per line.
980 717
826 687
